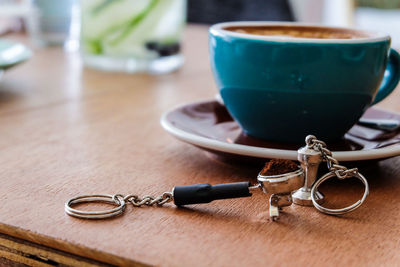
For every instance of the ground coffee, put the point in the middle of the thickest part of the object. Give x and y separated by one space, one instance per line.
279 166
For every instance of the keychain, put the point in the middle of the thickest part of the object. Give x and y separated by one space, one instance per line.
299 187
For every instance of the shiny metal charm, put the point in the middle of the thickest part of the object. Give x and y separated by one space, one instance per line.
282 183
301 187
280 186
309 159
276 202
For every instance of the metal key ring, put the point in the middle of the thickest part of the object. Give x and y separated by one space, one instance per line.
344 210
119 202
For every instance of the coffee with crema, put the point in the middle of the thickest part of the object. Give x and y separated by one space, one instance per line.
300 32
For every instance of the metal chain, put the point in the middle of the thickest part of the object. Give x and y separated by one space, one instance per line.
146 200
333 164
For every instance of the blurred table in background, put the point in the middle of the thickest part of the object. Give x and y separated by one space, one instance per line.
67 130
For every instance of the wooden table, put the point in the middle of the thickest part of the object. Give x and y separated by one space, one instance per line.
67 130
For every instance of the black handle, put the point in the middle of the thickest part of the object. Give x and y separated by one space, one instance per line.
205 193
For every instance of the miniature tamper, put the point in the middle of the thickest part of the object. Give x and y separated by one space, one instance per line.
309 160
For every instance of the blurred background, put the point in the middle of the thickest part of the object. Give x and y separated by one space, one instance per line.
59 22
381 15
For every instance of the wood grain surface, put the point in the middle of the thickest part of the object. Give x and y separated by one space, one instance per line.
67 130
19 252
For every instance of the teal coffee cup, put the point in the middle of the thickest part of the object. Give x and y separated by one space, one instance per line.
283 81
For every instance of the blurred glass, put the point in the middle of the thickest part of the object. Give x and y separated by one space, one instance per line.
132 35
52 22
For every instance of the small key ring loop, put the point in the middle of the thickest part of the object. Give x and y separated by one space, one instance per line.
344 210
110 199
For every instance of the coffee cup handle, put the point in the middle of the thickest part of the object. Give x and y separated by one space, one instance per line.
391 77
